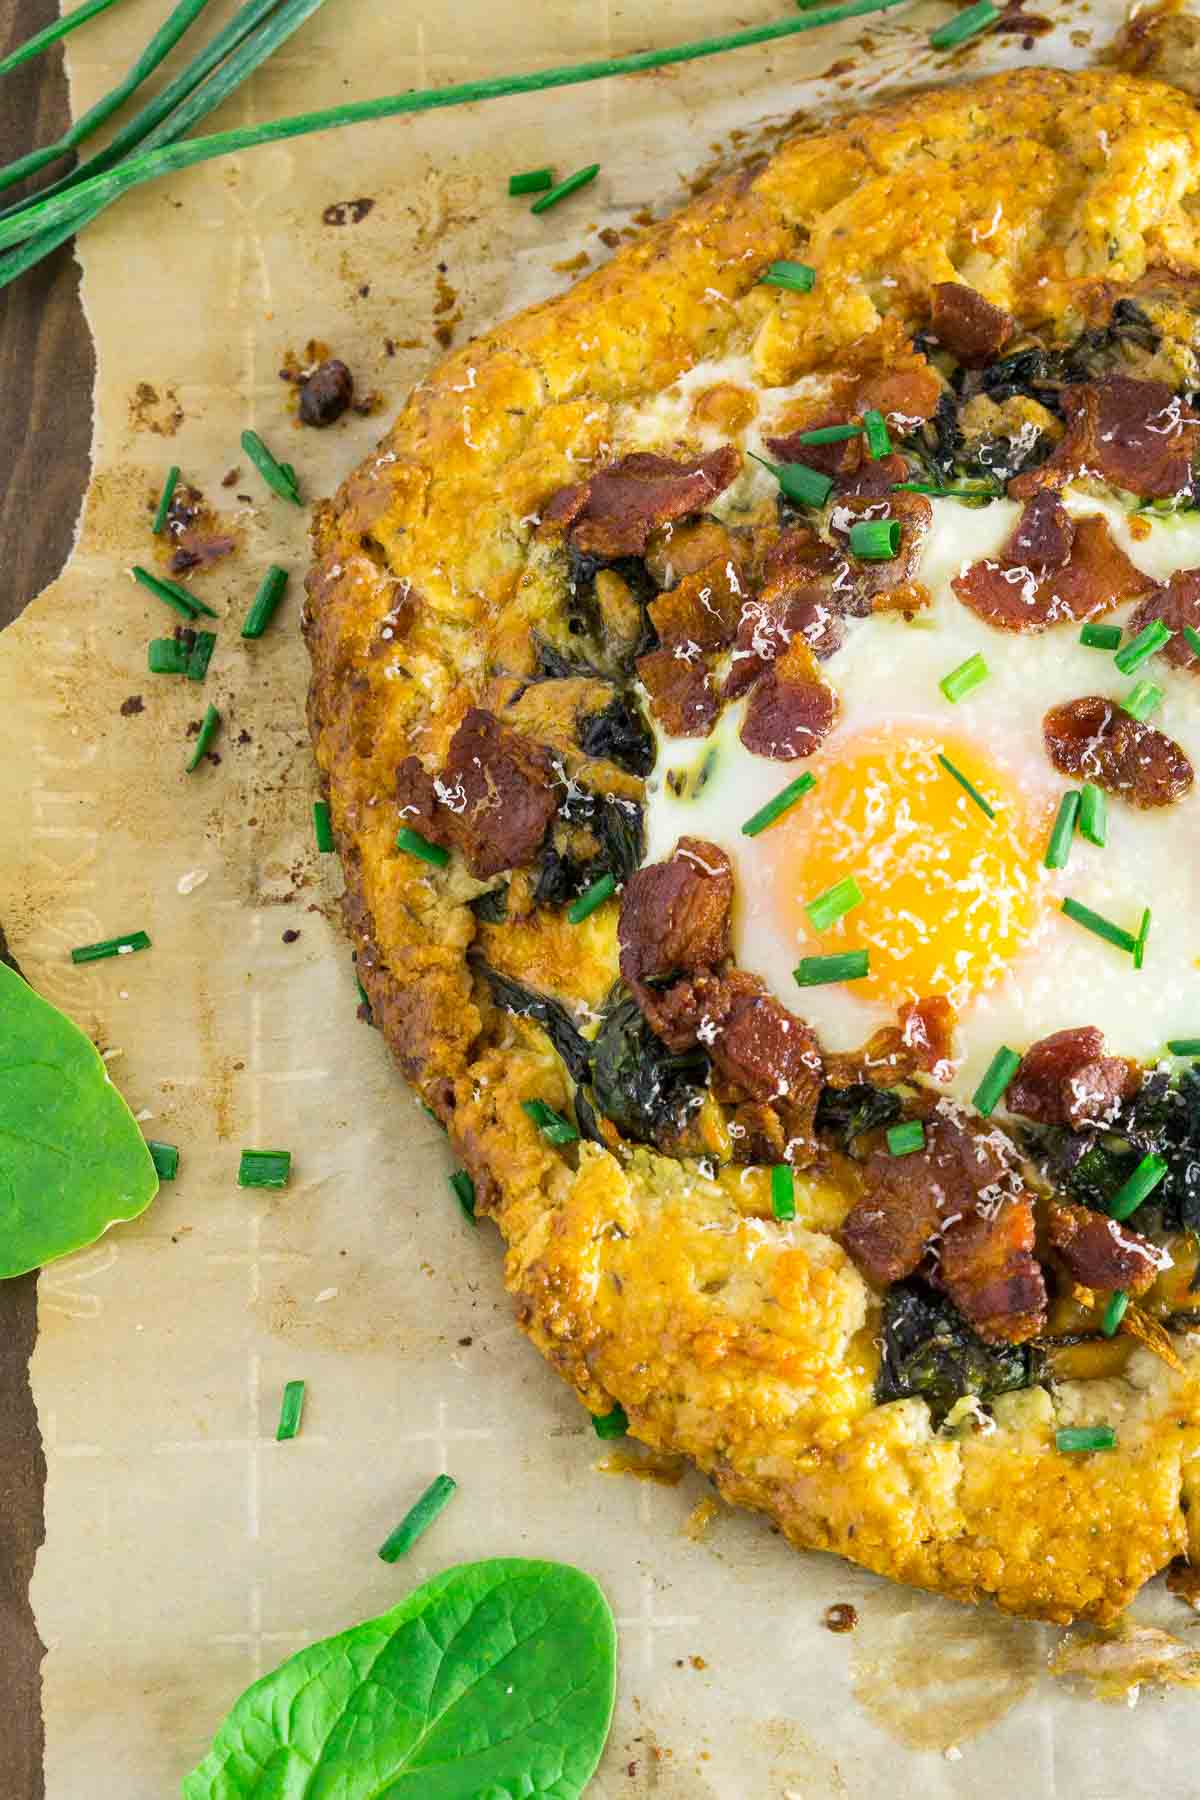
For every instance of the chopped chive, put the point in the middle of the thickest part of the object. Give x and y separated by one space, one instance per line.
279 477
1114 1312
799 278
200 655
963 783
1192 638
165 499
876 433
418 1518
569 185
935 492
875 540
174 595
416 845
322 826
783 1192
1139 948
264 1168
553 1127
903 1139
834 903
1129 1196
531 181
829 434
1100 637
118 946
1075 1438
965 679
50 34
783 802
807 487
290 1408
967 25
167 656
591 898
1184 1046
612 1424
209 726
1142 699
165 1158
819 971
464 1193
994 1085
1140 649
1100 926
1058 850
262 607
1093 814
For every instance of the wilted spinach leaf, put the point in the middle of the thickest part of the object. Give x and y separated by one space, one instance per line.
620 734
491 908
648 1091
553 1017
1164 1118
930 1352
848 1111
617 826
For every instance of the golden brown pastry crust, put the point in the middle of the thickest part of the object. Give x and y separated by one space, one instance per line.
744 1343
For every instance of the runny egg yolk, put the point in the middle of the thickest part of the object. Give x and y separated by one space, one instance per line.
948 895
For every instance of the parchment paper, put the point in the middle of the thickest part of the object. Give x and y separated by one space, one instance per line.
186 1551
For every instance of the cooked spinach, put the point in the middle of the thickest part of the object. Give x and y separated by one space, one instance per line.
553 1017
619 832
930 1352
648 1091
1163 1118
495 1678
491 908
849 1111
620 734
557 664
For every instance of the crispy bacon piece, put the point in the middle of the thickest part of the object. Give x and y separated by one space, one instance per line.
1093 738
1066 1079
967 325
763 1052
703 609
615 510
875 480
675 915
679 550
1014 596
990 1272
1101 1252
493 800
683 695
791 709
1136 434
798 598
1176 603
1044 536
870 582
921 1041
837 459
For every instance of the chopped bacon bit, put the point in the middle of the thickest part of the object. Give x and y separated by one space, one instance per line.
1137 435
791 709
797 599
838 459
989 1271
758 1134
906 395
1044 534
967 325
875 481
1066 1079
615 510
872 581
1101 1252
683 696
921 1041
675 915
493 800
679 550
1093 738
1176 603
1014 596
704 608
763 1052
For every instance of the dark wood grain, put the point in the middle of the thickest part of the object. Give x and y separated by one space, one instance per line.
46 369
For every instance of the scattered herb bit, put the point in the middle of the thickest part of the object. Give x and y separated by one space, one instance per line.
200 655
531 181
591 899
290 1409
965 679
797 482
209 727
164 500
1192 638
829 434
175 596
903 1139
834 903
1142 1183
279 477
1114 1312
994 1085
117 946
1140 649
962 781
165 1158
1100 926
1074 1438
1100 637
819 971
1093 814
262 607
612 1424
167 656
1139 948
264 1168
984 495
553 1127
783 1192
876 433
569 185
464 1192
1184 1046
323 827
1142 699
416 845
875 540
1058 850
783 802
964 26
799 278
930 1352
418 1518
51 33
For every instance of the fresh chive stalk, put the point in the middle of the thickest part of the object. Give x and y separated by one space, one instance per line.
1114 1312
117 946
165 1158
209 726
591 898
51 33
903 1139
1192 639
264 1168
1138 1187
279 477
175 596
965 26
797 482
1058 850
166 497
875 431
820 971
167 656
1142 699
1184 1046
1140 649
1099 926
934 492
965 679
834 903
418 1519
290 1408
463 1189
553 1127
612 1424
571 184
1093 814
531 181
829 434
994 1085
200 655
783 1192
436 855
799 278
263 606
782 803
1139 947
1100 637
322 826
972 792
875 540
1073 1439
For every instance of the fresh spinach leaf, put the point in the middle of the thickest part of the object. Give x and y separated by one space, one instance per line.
494 1681
72 1160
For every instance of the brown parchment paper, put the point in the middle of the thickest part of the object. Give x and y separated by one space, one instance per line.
187 1552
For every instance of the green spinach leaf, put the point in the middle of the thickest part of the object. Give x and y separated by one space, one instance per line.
72 1160
494 1681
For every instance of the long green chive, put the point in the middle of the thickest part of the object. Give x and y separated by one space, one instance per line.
1058 850
783 802
279 477
876 433
1139 948
1100 926
165 1158
262 607
963 783
967 25
820 971
165 499
1100 637
829 434
553 1127
264 1168
531 181
783 1192
1114 1312
1140 649
965 679
834 903
200 655
807 487
591 898
799 278
613 1424
875 540
569 185
209 726
463 1189
1192 638
1129 1196
167 656
436 855
290 1408
50 34
322 826
418 1518
903 1139
994 1085
175 596
117 946
1093 814
1143 699
1184 1046
1074 1438
934 492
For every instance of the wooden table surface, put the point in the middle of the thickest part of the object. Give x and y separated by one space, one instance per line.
46 369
